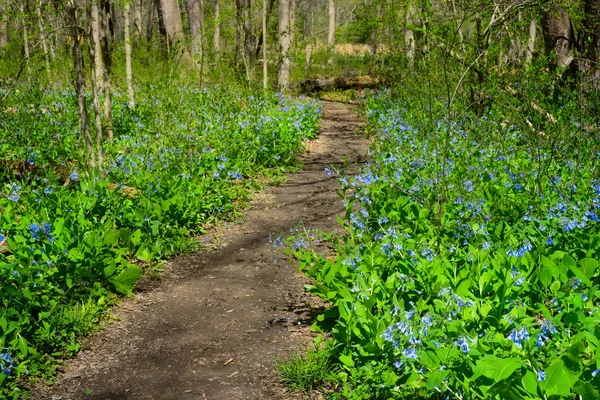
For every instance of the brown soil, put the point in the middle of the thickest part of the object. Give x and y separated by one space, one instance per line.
218 320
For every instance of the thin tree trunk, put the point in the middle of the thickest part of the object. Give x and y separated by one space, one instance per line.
128 70
107 64
38 10
96 46
161 26
25 38
531 42
137 20
374 38
84 123
284 44
264 44
96 69
307 60
4 38
195 14
409 36
331 27
217 31
150 22
292 21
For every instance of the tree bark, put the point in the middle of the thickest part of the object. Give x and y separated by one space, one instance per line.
42 34
107 63
531 42
128 70
137 20
84 123
331 27
97 70
217 31
4 38
292 21
264 44
374 38
409 35
284 44
559 35
195 14
174 30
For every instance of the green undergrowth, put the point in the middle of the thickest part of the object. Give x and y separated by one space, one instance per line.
72 241
469 266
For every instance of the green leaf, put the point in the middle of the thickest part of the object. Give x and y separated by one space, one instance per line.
111 238
347 360
586 390
23 346
124 282
589 267
496 368
436 378
529 382
546 276
136 237
557 381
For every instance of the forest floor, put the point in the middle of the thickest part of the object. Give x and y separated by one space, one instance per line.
217 320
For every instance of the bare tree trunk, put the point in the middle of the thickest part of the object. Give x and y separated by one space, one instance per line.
292 21
128 70
559 35
244 23
284 44
374 38
137 20
161 26
531 42
96 46
38 10
409 35
217 31
331 30
174 29
264 44
195 14
24 23
97 70
4 38
150 22
307 60
106 52
84 123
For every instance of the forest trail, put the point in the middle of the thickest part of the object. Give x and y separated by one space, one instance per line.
214 325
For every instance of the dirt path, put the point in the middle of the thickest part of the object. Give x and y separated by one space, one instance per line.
213 328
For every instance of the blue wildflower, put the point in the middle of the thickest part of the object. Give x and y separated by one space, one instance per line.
410 353
541 375
74 176
463 344
595 372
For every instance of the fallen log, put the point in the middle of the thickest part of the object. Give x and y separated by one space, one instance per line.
342 83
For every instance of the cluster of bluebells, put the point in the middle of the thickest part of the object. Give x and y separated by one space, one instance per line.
6 362
485 211
41 231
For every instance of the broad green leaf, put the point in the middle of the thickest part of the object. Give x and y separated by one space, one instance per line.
586 390
347 360
124 282
111 238
589 267
529 382
558 381
496 368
